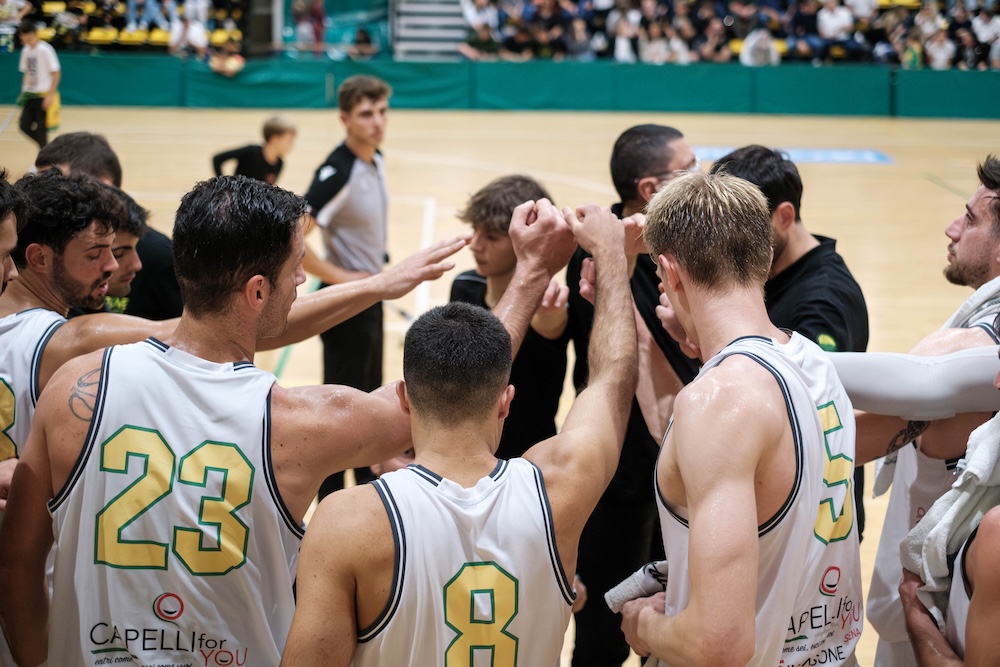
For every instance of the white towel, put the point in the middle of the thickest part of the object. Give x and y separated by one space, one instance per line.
983 301
949 521
649 579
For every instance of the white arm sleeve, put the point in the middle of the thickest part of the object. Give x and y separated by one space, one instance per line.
920 388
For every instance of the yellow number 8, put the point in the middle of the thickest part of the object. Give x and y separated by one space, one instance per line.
479 603
838 470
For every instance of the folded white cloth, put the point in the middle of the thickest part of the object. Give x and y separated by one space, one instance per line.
649 579
947 524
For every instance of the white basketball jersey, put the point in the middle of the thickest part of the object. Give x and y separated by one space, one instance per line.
22 339
172 543
957 616
478 577
809 599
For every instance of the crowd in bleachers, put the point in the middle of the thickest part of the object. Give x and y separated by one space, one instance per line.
962 35
184 27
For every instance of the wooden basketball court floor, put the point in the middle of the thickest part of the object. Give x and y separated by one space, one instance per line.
888 205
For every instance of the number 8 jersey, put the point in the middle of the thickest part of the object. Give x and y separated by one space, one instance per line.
478 579
172 544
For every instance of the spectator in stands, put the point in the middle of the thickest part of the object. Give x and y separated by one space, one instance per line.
986 25
958 18
316 14
759 49
481 13
713 46
910 48
152 13
261 162
972 54
41 72
188 37
680 50
803 33
885 29
654 47
304 34
480 44
836 25
929 19
626 39
547 46
11 13
364 47
511 15
744 17
939 51
864 12
227 61
519 47
682 22
578 41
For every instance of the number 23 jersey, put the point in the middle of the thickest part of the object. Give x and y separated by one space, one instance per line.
172 544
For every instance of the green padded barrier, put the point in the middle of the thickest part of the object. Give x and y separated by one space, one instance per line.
10 78
261 84
543 86
416 85
949 94
842 90
121 80
704 87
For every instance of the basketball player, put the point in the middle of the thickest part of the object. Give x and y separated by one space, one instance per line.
753 478
12 210
174 474
921 468
462 557
973 613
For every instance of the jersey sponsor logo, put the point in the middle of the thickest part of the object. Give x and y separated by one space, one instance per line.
829 582
823 633
168 607
325 172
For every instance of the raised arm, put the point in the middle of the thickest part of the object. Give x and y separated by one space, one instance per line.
314 313
543 244
579 462
220 159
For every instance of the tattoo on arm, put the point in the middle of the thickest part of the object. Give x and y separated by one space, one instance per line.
906 436
83 398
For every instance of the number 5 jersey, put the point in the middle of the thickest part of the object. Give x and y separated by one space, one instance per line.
172 544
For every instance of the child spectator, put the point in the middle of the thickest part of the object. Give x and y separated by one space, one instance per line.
654 48
939 51
363 47
480 44
680 51
519 47
261 162
911 55
577 41
713 46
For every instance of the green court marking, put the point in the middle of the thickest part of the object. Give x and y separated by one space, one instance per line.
287 350
940 182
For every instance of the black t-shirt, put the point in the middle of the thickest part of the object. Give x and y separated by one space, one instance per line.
819 298
155 294
634 478
537 374
249 162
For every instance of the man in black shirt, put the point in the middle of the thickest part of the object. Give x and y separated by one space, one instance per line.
261 162
622 533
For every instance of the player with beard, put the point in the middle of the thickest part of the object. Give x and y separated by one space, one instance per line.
920 457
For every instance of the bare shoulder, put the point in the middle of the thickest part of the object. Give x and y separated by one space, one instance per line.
738 386
353 516
79 377
983 573
947 341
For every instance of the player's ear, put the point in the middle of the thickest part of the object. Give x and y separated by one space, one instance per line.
39 257
505 399
783 217
255 292
669 271
404 400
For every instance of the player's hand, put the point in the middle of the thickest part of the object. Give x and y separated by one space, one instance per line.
588 280
428 263
908 595
6 475
634 243
46 102
631 613
668 320
540 236
596 229
581 594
